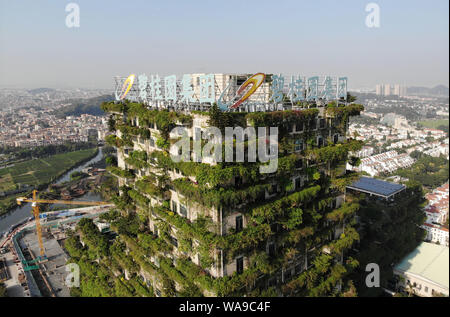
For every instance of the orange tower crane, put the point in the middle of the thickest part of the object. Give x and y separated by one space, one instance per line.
34 201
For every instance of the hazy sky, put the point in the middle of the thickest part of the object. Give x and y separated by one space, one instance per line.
307 37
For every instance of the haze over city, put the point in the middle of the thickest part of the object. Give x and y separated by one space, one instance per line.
410 47
251 152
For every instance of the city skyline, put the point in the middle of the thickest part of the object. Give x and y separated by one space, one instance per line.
38 50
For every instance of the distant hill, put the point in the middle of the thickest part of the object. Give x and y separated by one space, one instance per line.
83 106
40 90
439 90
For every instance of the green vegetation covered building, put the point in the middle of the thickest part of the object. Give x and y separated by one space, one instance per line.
225 229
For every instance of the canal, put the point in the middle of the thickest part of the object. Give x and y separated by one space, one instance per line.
22 212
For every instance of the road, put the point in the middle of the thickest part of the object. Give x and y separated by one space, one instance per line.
13 285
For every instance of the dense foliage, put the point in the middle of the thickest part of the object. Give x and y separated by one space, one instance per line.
301 220
3 292
428 171
20 153
77 107
103 264
389 233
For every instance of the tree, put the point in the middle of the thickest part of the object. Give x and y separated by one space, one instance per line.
350 98
427 170
443 128
3 292
78 175
394 231
111 124
415 154
111 160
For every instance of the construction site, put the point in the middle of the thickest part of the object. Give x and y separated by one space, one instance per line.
33 261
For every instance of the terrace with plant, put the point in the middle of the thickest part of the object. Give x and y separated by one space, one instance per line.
301 221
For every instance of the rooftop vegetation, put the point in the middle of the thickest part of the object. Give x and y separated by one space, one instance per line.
301 221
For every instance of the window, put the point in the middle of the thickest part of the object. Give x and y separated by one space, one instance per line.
319 141
274 227
298 268
299 164
174 241
151 125
273 189
158 292
152 142
271 249
333 204
426 289
322 123
174 206
239 223
298 183
272 282
336 138
240 265
298 146
313 124
299 126
183 210
287 275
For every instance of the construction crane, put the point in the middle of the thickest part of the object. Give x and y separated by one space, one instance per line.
34 203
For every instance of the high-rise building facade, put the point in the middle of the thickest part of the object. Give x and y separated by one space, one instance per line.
218 228
387 89
390 90
379 90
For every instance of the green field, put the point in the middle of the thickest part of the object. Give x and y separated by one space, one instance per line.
434 124
41 171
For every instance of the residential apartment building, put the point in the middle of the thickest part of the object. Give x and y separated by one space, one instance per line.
438 201
437 215
390 90
365 152
387 162
436 234
226 228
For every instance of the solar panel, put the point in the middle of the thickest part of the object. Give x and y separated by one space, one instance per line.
377 186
